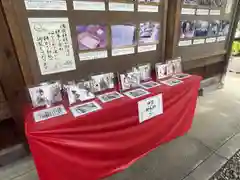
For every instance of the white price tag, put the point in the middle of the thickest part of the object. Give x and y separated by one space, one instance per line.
188 11
202 12
123 51
221 38
215 12
211 40
150 108
49 113
147 8
89 5
198 41
185 43
93 55
114 6
147 48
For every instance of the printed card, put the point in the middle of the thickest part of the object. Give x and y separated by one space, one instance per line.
108 97
136 93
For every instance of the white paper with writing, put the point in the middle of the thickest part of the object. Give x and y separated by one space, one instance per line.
93 55
211 40
188 11
150 108
146 48
215 12
49 113
123 51
89 5
202 12
114 6
198 41
221 38
46 4
185 43
53 44
147 8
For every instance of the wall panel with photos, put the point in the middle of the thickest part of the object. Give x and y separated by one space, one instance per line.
73 39
199 32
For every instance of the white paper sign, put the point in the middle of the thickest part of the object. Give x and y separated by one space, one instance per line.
49 113
150 108
188 11
123 51
198 41
53 44
221 38
147 8
215 12
202 12
147 48
89 5
185 43
211 40
113 6
46 4
93 55
85 108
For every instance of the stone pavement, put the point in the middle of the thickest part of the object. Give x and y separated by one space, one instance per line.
212 140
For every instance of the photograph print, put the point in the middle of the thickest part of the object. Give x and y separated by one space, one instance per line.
79 92
149 32
214 28
187 29
123 35
144 70
102 82
129 80
201 28
150 84
161 70
190 2
91 36
86 108
108 97
136 93
172 82
45 95
224 28
177 65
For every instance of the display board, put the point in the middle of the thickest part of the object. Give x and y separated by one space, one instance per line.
200 34
70 40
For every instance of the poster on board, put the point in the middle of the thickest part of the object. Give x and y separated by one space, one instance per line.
45 4
53 44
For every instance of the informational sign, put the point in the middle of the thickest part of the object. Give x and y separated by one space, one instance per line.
93 55
89 5
188 11
221 38
198 41
147 48
46 4
147 8
150 108
202 12
122 51
211 40
49 113
115 6
215 12
185 43
53 44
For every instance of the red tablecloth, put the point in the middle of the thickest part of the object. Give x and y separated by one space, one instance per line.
107 141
